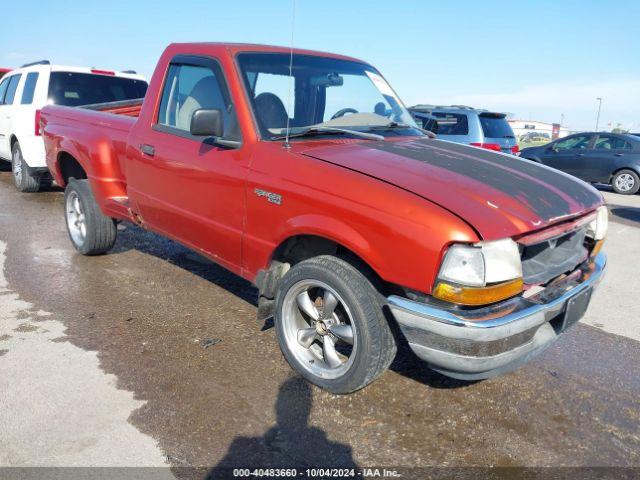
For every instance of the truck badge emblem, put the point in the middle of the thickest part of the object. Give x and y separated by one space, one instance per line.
271 197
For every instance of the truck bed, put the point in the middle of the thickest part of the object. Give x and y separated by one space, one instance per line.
104 128
106 117
130 108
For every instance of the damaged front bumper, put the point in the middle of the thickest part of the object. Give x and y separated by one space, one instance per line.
484 342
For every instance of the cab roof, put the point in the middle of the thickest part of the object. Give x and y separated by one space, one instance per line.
235 48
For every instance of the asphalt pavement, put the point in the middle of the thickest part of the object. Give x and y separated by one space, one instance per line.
152 356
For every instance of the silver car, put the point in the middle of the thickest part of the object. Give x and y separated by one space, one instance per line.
461 124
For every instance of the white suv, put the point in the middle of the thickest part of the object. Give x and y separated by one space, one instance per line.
25 90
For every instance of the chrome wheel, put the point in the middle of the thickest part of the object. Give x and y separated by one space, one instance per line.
76 219
17 166
319 329
625 182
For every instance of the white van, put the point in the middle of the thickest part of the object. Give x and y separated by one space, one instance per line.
25 90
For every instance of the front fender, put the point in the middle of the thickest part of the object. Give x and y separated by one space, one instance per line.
331 229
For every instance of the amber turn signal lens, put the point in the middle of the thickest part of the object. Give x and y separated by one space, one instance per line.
475 296
597 247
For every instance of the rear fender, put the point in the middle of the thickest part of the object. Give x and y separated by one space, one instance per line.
98 158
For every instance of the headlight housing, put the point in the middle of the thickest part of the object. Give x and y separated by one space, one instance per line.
597 229
479 274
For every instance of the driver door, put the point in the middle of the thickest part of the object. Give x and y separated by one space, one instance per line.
187 187
569 154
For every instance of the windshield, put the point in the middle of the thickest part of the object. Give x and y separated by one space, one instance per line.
325 92
72 89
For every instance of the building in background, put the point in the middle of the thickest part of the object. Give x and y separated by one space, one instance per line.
529 129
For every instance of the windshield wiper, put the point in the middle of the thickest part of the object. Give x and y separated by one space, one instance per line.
390 125
322 130
396 125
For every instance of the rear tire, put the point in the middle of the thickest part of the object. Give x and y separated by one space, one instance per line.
23 181
626 182
342 347
90 231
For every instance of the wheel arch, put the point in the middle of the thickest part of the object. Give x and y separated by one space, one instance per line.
302 246
299 246
634 169
69 167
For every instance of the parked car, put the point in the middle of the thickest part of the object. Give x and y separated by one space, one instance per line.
596 157
339 209
23 93
471 126
531 137
4 71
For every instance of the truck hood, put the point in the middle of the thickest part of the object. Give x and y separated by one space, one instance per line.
498 195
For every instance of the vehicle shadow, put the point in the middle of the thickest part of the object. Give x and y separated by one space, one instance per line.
628 215
131 236
291 442
603 187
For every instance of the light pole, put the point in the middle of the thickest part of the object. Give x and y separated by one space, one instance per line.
599 107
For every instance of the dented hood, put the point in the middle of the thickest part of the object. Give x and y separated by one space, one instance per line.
498 195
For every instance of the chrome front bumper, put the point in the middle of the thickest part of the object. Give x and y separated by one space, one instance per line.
484 342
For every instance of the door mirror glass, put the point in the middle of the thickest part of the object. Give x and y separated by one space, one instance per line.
207 122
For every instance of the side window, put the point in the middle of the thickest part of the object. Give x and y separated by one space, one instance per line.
579 142
452 123
29 88
3 89
609 142
188 88
11 89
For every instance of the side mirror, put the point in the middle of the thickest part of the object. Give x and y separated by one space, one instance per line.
207 123
552 148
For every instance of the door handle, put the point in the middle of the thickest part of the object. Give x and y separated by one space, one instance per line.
148 149
619 154
580 155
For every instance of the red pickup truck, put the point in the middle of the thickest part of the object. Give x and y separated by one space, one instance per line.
305 173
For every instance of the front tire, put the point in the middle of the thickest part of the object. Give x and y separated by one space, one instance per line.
23 181
330 325
626 182
90 231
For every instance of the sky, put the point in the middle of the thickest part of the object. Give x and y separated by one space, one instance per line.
540 60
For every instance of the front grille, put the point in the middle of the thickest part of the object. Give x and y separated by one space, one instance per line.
544 261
